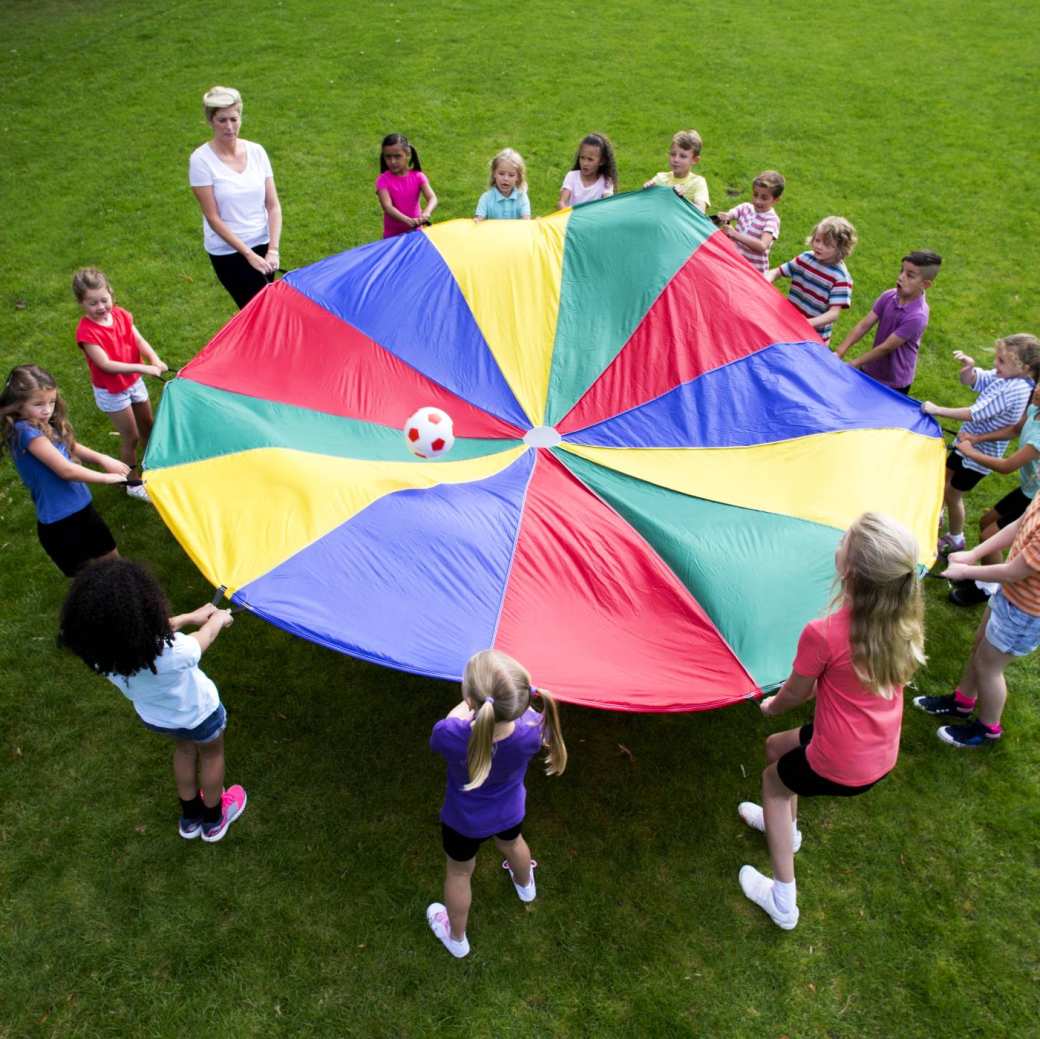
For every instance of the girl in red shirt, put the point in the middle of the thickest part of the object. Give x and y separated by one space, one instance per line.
855 661
117 355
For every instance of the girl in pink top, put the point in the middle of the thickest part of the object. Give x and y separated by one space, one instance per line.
399 186
855 661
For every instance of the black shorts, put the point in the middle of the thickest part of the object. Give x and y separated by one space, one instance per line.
1010 507
963 478
797 774
75 540
460 848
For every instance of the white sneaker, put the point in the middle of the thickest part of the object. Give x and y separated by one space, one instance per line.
526 894
437 918
752 814
137 491
759 888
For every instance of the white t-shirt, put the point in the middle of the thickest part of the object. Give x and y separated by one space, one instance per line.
579 193
180 695
239 196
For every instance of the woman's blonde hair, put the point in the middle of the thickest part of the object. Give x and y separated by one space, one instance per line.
217 98
880 583
514 158
499 690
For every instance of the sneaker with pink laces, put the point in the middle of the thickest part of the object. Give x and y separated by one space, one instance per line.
232 805
437 918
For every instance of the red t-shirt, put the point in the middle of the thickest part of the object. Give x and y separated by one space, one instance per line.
855 732
118 341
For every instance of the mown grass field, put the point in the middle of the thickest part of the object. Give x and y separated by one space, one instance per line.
919 918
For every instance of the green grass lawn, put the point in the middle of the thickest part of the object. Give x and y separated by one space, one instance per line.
919 918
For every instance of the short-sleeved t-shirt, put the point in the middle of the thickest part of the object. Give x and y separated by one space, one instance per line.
581 194
1029 474
239 196
751 222
180 695
405 192
908 321
118 342
693 186
855 737
816 287
498 803
493 205
1000 403
53 498
1025 594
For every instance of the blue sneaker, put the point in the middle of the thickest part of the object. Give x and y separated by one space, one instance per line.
974 734
189 829
942 706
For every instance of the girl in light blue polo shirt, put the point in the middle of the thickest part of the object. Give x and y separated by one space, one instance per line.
506 198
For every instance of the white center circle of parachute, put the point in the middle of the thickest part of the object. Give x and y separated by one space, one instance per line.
542 436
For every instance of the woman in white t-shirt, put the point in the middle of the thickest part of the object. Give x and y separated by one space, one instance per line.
241 214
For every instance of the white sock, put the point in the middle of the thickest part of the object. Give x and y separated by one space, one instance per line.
957 539
784 896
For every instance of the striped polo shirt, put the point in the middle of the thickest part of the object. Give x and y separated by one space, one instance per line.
1025 594
751 222
816 287
1000 403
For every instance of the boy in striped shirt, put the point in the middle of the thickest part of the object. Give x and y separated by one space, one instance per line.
1004 392
1010 628
821 286
757 225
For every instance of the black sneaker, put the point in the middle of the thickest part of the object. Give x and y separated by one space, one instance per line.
942 706
967 593
974 734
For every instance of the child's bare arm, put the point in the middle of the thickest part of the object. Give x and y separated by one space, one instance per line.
967 372
772 274
859 330
796 690
1011 464
209 628
430 195
893 342
757 245
148 351
1017 569
106 364
392 211
44 451
961 414
829 316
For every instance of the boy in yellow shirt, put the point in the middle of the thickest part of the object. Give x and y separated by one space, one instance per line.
685 153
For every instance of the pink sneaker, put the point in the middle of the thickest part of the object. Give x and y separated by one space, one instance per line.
232 804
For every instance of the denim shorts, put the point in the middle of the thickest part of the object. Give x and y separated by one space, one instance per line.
206 731
135 393
1011 630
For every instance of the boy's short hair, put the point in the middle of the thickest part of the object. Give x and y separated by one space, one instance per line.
772 181
689 140
928 263
839 231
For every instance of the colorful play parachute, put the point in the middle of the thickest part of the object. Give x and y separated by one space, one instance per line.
655 456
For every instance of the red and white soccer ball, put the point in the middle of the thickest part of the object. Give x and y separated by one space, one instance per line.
428 433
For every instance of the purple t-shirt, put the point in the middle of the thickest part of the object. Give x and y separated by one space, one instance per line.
908 321
404 192
498 803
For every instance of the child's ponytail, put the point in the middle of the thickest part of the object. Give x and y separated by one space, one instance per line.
499 690
552 735
478 751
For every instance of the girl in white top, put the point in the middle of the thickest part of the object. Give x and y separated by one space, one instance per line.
593 175
117 620
241 214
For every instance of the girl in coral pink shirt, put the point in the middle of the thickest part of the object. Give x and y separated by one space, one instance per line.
855 661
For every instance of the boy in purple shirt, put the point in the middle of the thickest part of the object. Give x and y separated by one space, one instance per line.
901 316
